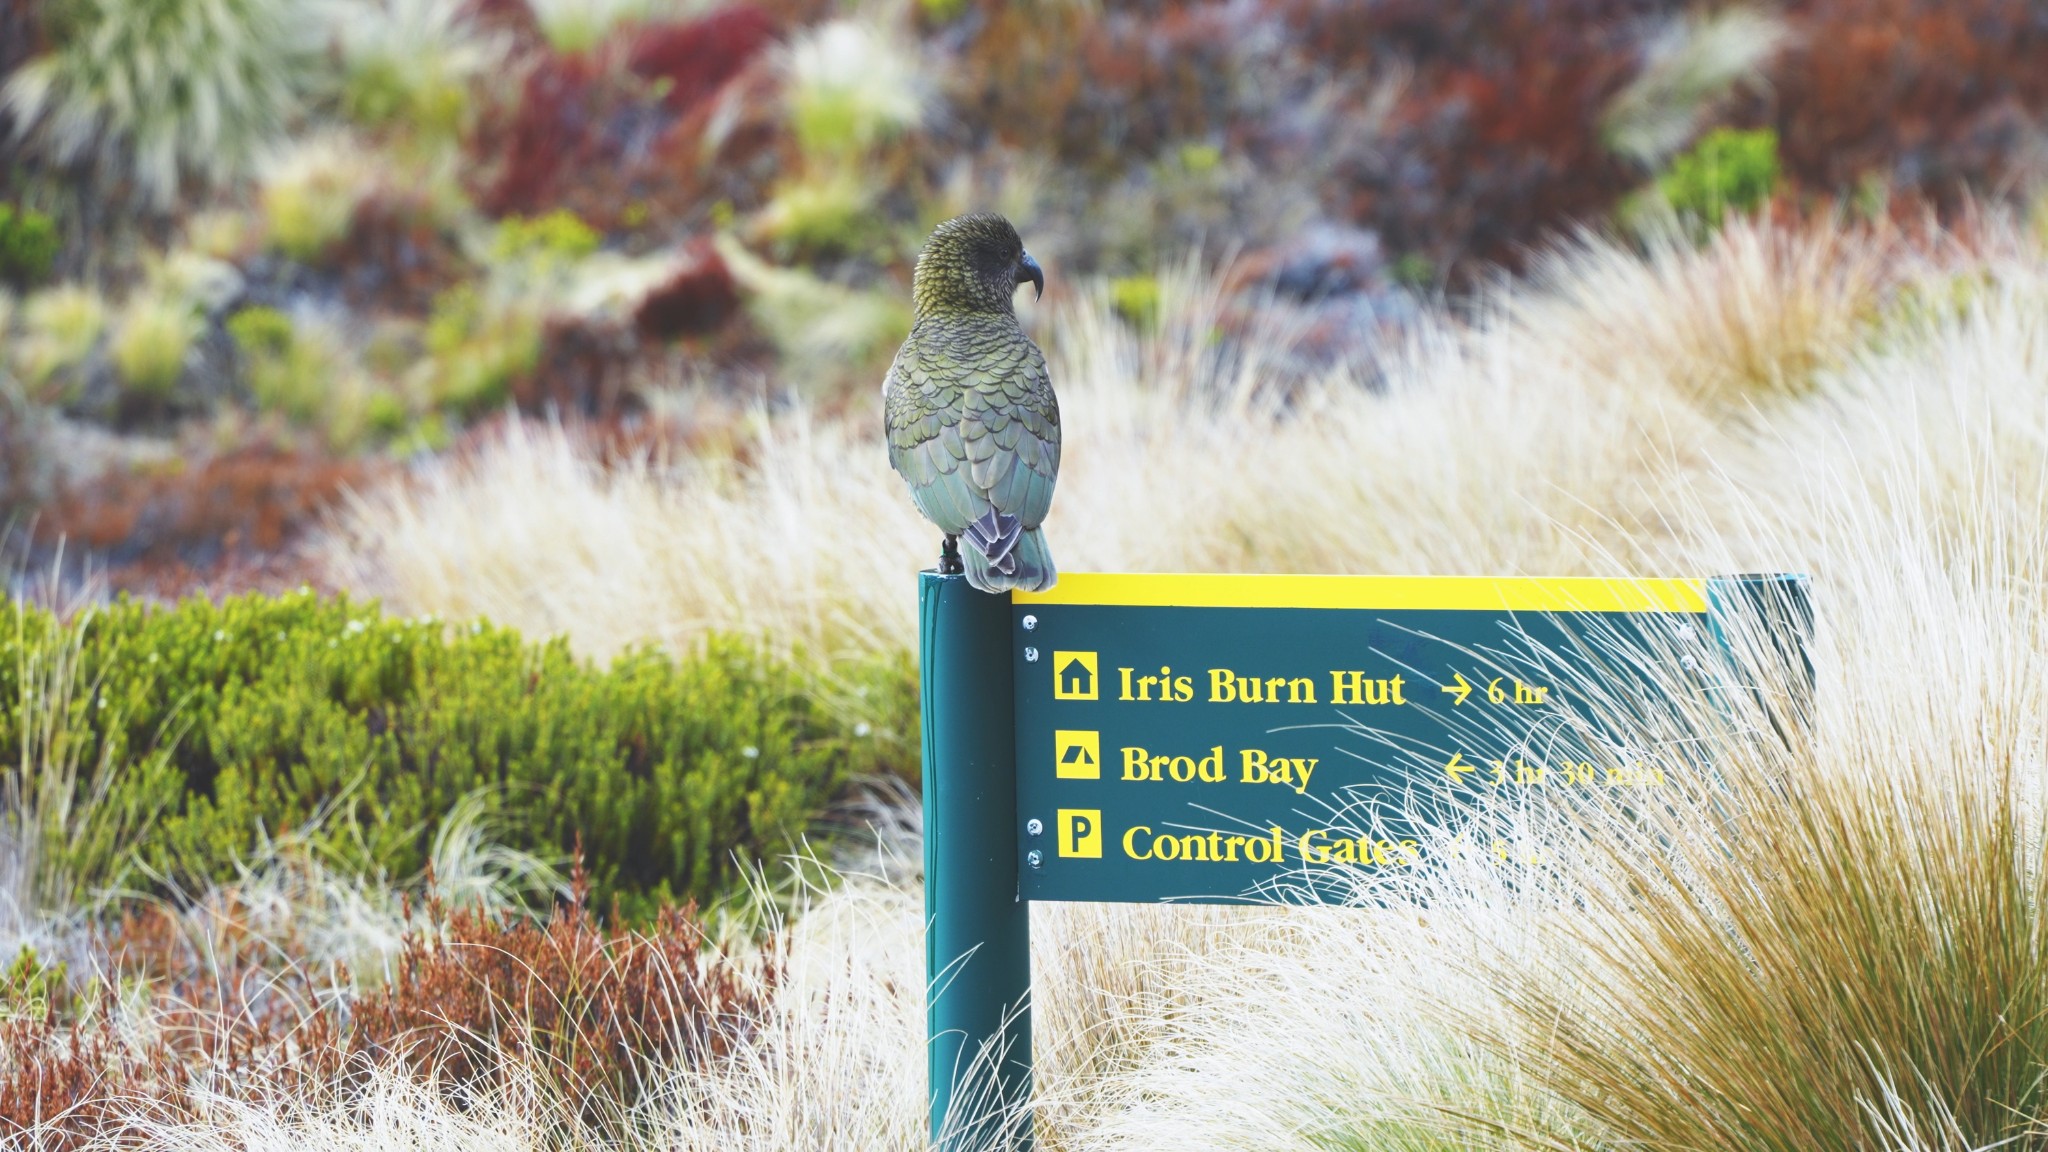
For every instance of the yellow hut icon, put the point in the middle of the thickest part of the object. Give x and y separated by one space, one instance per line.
1073 675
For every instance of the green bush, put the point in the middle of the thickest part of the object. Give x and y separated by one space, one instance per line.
1136 299
559 235
63 326
28 245
480 348
820 214
1727 171
293 712
152 342
261 331
287 374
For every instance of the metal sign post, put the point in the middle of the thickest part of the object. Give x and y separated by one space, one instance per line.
977 926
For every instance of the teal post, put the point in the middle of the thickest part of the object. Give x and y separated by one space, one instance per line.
977 928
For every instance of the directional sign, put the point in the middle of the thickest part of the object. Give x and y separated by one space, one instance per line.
1232 738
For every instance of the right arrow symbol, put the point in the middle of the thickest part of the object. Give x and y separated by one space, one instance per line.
1461 689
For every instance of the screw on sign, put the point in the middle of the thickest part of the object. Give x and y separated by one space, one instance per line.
1234 739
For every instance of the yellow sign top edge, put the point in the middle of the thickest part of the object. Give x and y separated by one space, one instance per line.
1387 593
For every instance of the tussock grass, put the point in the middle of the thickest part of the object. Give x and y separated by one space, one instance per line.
1539 438
1753 315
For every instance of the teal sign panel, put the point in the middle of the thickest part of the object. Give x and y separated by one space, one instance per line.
1225 739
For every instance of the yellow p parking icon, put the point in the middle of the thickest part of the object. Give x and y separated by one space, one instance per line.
1081 832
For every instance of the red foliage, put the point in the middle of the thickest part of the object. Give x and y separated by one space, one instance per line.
587 367
598 1007
551 132
698 57
512 18
224 513
396 254
1495 141
71 1075
55 1083
698 299
1928 94
585 370
592 131
751 148
1096 87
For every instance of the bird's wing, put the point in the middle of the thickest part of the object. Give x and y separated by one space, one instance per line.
921 405
1011 430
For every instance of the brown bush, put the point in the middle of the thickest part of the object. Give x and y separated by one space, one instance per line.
1495 141
1936 97
597 132
57 1084
599 1008
585 369
239 511
698 299
399 255
72 1075
695 58
473 994
1094 86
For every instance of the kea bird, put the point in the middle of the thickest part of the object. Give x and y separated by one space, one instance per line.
973 425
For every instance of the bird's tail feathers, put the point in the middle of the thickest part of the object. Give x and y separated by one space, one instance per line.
994 534
1001 554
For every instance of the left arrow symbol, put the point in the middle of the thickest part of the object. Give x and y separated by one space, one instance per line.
1461 689
1454 767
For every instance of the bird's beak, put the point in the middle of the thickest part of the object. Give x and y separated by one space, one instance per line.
1028 269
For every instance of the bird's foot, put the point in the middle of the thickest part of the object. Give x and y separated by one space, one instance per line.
949 558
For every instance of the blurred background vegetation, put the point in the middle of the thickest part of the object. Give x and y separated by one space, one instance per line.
255 252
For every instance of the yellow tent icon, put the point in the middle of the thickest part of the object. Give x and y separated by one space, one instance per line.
1077 755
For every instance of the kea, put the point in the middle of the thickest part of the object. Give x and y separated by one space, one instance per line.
973 425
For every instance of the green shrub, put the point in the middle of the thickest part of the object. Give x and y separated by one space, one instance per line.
819 214
1136 299
1729 171
261 331
288 375
63 325
479 349
28 245
310 195
29 984
152 342
560 235
385 415
412 64
851 84
298 711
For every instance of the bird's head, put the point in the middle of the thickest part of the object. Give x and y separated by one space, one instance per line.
972 263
